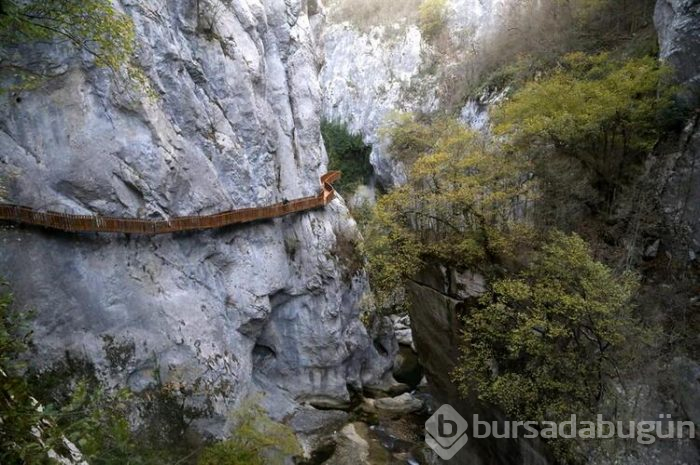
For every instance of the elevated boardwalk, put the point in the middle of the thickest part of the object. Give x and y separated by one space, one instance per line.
95 223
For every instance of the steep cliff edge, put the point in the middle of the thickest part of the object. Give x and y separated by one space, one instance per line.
379 61
235 123
439 297
679 39
678 26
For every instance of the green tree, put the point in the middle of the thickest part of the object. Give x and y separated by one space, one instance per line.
97 424
92 26
553 340
432 17
347 153
603 112
411 135
460 206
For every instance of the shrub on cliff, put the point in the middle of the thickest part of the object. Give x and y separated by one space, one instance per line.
601 111
410 135
255 440
89 424
553 340
347 153
458 207
94 27
432 17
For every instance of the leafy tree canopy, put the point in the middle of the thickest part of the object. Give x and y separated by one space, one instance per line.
347 153
592 107
92 26
459 205
432 17
551 340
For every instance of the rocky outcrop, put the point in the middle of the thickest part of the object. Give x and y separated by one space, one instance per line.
678 25
475 112
235 123
401 405
368 73
355 446
437 305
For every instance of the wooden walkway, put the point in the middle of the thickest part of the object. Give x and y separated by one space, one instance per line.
96 223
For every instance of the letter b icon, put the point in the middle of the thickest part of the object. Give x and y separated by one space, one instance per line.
446 428
446 432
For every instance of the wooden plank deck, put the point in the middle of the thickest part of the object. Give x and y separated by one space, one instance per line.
95 223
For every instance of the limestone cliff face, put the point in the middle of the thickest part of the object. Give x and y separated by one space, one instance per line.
271 306
439 298
366 77
678 26
369 72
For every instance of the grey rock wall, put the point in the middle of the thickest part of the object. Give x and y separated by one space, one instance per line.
368 73
680 194
678 25
364 78
437 305
271 306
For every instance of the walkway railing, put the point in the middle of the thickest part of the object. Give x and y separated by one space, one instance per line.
96 223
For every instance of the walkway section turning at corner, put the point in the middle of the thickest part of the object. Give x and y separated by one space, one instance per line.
96 223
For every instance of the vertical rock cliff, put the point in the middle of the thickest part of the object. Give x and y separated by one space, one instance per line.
234 122
379 61
678 26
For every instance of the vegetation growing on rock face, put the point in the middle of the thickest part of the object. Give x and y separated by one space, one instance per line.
474 202
600 111
365 14
347 153
87 423
556 332
432 17
92 26
587 127
29 430
534 35
457 206
553 339
255 440
409 136
44 417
